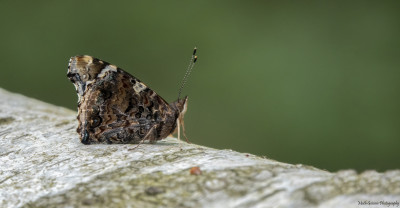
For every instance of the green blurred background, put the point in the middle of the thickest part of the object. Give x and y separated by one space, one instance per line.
305 82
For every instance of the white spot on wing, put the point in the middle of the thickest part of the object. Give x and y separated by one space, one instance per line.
107 69
89 82
138 87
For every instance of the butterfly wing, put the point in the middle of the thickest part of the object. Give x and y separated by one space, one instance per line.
116 107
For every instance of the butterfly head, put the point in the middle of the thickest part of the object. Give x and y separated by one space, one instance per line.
181 106
83 70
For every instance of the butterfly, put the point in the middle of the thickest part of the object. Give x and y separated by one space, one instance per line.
115 107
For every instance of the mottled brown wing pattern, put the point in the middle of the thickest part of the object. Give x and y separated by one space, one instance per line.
116 107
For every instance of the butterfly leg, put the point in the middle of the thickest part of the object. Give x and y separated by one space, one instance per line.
152 141
179 133
184 133
180 123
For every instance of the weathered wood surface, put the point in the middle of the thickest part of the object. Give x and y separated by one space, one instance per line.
43 164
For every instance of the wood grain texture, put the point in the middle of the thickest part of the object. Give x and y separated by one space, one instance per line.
44 164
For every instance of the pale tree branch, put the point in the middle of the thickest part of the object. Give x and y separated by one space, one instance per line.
43 164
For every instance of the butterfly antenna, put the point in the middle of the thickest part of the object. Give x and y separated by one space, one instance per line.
193 60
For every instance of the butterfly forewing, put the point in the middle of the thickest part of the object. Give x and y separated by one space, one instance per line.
116 107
